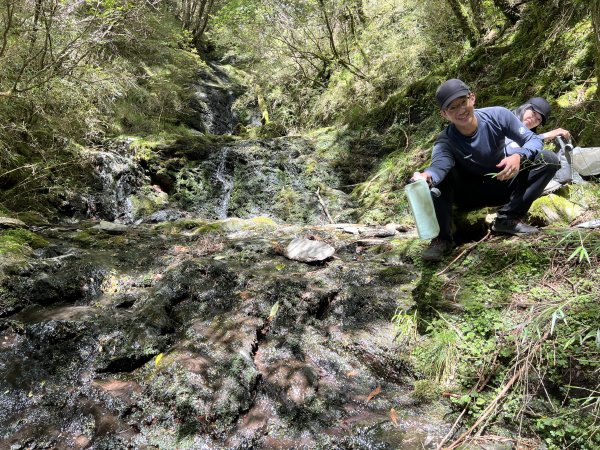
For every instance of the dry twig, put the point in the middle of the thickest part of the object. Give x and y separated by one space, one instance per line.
521 366
323 205
464 252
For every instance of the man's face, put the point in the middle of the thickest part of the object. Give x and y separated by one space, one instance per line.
461 110
532 119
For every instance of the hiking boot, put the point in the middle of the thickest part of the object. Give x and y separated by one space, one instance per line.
436 250
513 226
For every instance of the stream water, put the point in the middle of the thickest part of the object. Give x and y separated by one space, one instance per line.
165 337
226 180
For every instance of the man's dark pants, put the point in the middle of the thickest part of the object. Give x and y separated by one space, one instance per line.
468 192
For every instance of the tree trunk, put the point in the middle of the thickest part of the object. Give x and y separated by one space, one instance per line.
330 35
205 18
7 24
510 11
595 6
463 21
477 10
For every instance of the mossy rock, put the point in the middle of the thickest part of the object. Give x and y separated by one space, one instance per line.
262 223
148 201
94 238
272 130
471 225
554 209
32 218
20 241
425 391
179 225
234 224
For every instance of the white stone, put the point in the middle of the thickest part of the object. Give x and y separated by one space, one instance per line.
307 250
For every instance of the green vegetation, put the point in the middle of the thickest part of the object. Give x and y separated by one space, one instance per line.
508 319
117 67
20 241
523 319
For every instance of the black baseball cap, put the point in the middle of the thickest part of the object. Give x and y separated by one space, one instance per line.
541 106
451 90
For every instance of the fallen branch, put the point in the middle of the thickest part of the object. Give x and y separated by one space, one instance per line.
465 251
488 411
323 205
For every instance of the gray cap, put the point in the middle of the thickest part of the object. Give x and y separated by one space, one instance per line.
451 90
541 106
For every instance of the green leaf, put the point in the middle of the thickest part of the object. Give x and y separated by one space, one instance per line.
274 310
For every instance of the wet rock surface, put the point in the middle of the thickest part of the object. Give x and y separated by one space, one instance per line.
207 338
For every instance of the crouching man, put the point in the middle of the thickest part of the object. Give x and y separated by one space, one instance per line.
469 166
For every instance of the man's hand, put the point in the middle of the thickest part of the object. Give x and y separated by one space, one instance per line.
549 135
421 175
510 167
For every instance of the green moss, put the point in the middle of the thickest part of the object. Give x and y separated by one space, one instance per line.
148 201
92 238
20 241
408 249
425 390
262 223
272 130
87 237
499 269
214 227
555 210
32 218
179 225
146 150
234 224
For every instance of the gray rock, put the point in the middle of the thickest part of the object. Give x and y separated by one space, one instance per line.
9 222
165 215
110 227
378 232
307 250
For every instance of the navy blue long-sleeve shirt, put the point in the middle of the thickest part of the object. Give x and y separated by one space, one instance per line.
478 154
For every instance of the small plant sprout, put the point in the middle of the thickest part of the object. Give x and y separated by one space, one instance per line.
580 252
405 326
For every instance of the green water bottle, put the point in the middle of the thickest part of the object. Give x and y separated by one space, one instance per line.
421 206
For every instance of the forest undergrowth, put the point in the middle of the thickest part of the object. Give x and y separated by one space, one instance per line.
508 333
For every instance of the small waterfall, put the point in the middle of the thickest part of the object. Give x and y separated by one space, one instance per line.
118 178
226 181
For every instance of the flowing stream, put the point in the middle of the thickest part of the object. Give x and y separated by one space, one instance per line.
226 180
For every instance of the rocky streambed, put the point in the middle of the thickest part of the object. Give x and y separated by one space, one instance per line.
202 334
